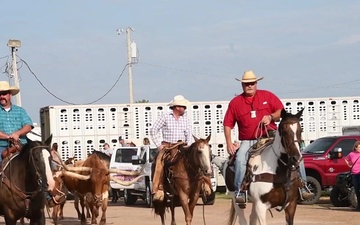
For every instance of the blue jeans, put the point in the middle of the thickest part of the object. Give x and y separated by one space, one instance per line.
240 163
356 182
302 170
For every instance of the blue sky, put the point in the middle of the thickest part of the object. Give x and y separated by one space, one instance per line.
304 49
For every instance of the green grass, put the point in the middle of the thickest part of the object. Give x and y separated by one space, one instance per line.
221 195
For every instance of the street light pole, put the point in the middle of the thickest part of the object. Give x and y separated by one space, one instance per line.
14 45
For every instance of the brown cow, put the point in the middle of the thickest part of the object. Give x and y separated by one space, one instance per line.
94 191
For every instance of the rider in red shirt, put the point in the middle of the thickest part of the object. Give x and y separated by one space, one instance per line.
255 113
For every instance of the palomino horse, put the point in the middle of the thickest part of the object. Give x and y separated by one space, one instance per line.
187 168
272 174
25 177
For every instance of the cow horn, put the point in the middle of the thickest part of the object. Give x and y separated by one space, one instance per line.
76 175
71 168
125 183
125 172
78 169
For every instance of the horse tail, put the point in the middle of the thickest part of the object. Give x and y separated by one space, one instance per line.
232 215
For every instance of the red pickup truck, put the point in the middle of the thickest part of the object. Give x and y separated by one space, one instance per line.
324 159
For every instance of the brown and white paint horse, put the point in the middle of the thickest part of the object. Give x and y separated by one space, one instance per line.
274 177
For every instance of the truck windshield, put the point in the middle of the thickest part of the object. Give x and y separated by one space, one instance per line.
152 152
319 146
123 155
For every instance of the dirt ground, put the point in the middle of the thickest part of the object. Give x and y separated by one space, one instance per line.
217 214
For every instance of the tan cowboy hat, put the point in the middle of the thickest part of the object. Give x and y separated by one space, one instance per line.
179 100
5 86
248 77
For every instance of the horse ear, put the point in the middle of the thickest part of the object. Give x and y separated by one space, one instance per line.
48 140
298 115
195 138
28 140
283 113
208 138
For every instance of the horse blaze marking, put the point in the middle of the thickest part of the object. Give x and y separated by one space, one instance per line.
49 176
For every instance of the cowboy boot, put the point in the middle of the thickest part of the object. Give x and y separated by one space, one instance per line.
158 189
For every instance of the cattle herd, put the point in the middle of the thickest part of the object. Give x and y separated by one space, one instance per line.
88 180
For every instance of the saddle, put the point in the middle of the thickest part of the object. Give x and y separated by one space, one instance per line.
255 150
13 149
15 146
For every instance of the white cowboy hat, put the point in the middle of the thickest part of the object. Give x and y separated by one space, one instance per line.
179 100
248 77
5 86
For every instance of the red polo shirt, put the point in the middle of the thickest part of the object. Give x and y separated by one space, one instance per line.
240 112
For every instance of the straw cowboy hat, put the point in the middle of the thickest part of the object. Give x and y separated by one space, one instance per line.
248 77
179 100
5 86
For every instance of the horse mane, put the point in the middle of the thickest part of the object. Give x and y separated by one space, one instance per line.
25 148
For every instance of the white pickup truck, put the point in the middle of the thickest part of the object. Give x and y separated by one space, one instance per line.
140 159
122 159
142 188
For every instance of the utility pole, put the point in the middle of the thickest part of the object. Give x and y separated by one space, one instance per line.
14 45
131 53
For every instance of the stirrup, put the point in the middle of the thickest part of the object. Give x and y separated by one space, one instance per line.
241 199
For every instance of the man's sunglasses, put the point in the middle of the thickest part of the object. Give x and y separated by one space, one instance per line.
4 92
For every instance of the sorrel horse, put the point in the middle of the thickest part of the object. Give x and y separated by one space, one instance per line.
25 177
186 169
273 177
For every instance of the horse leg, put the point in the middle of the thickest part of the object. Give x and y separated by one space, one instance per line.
192 204
290 212
236 211
38 219
185 205
172 209
258 213
10 221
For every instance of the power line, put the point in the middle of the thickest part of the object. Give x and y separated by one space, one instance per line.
68 102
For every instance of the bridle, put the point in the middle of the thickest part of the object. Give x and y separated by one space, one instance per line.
200 170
